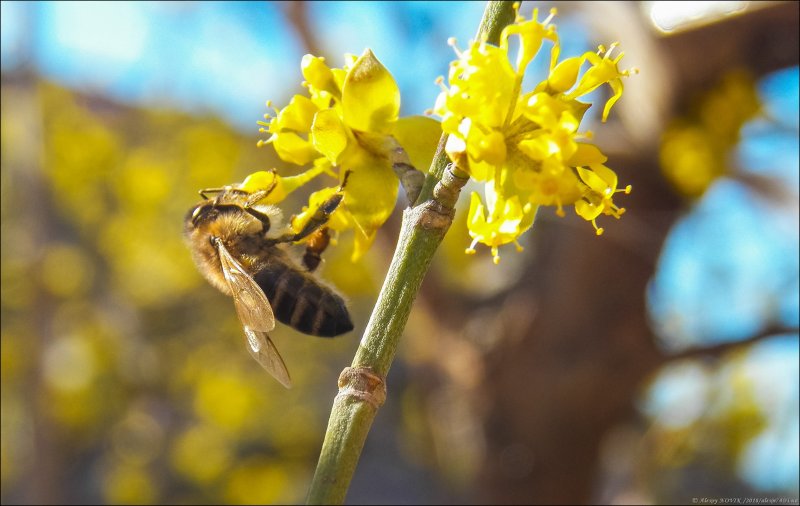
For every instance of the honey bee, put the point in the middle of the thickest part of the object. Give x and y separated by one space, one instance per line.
241 249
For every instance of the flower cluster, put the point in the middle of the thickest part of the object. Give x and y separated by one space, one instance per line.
344 125
525 146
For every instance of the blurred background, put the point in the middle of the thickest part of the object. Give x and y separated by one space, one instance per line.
655 364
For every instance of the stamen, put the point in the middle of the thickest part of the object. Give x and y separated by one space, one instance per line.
515 7
451 41
610 49
440 82
519 247
269 104
495 255
549 18
519 17
598 230
560 209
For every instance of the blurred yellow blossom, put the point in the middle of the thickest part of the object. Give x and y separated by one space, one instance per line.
526 146
694 148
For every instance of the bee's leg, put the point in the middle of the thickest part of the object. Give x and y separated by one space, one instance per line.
320 218
263 218
255 197
210 190
317 243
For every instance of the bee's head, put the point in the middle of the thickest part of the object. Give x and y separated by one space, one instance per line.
228 199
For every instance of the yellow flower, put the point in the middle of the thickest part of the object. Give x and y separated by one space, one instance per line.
601 185
526 146
603 71
343 126
531 35
506 220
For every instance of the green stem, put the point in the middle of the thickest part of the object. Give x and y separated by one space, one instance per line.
362 387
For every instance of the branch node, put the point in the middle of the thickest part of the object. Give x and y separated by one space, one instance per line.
447 190
363 384
410 178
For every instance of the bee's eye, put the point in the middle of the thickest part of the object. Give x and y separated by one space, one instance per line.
198 213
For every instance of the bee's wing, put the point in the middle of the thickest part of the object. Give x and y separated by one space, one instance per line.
255 314
264 351
251 304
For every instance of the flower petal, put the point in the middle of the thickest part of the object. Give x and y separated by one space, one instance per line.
593 181
371 192
564 75
293 149
363 241
318 74
370 97
585 155
419 136
587 211
329 135
298 115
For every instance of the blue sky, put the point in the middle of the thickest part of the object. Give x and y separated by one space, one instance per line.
226 57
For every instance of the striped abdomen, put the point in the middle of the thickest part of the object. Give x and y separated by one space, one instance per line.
299 301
